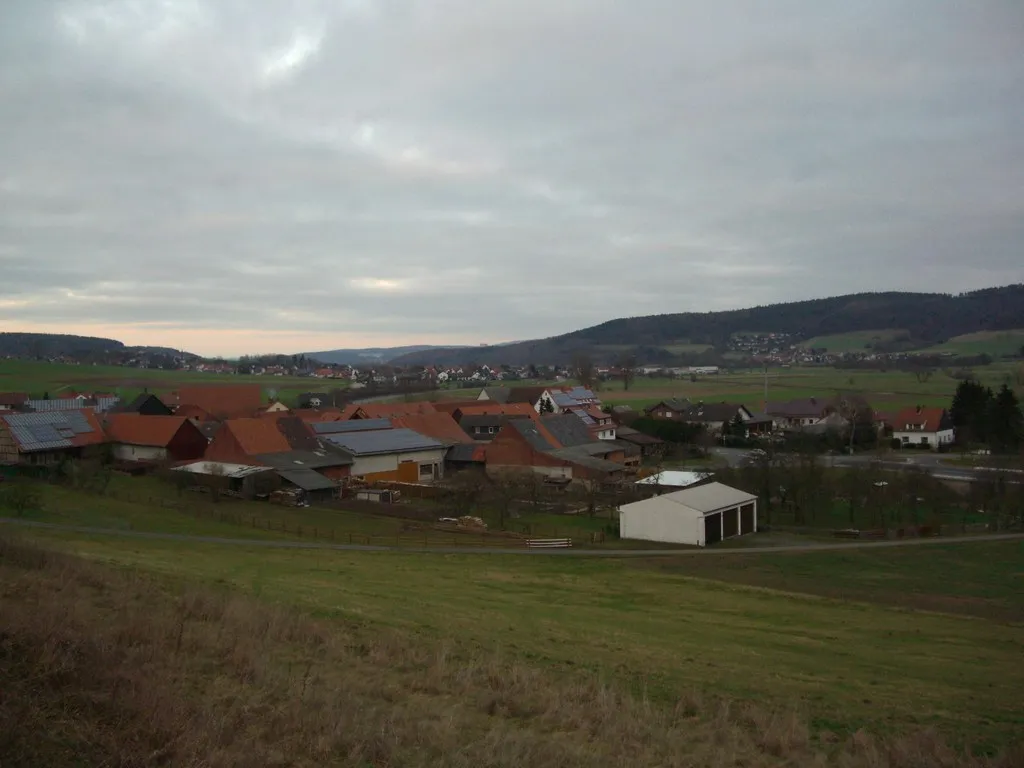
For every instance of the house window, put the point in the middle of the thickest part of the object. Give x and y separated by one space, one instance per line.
668 414
924 440
490 430
906 439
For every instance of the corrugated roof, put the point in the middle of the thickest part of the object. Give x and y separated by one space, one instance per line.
306 479
383 441
673 478
223 468
710 497
332 457
577 455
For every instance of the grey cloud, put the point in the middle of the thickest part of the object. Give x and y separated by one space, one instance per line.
487 171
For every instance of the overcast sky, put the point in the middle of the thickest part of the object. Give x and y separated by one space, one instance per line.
230 176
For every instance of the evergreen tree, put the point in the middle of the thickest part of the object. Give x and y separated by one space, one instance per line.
970 411
1006 423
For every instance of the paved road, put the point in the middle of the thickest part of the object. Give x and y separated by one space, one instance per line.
705 552
931 463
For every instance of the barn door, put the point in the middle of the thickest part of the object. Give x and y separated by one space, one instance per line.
712 528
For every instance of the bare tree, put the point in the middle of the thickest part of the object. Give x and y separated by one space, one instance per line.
505 487
627 366
464 491
923 374
583 369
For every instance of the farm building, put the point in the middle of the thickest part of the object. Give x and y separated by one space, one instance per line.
138 438
701 515
49 438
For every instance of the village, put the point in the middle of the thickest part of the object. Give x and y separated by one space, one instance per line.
227 439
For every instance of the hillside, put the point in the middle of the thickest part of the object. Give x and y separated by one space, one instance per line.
82 349
370 355
926 318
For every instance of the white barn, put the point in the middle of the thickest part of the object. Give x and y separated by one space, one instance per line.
702 515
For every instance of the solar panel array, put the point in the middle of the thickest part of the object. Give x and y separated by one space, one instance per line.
102 405
355 425
48 430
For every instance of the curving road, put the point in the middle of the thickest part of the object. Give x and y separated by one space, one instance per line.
703 552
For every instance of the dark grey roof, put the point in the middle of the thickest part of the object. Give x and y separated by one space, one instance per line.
703 412
528 429
306 479
629 449
329 457
355 425
45 431
630 435
568 429
462 452
577 456
383 441
497 394
673 403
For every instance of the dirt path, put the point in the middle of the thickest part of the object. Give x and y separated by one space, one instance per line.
701 552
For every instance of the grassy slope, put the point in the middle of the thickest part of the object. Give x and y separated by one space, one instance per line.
994 343
116 666
856 341
845 664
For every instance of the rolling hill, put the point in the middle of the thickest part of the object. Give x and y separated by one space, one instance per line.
927 319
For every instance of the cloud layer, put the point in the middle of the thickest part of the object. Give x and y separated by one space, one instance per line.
234 177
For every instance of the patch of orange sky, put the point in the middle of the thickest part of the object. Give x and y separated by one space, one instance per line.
232 343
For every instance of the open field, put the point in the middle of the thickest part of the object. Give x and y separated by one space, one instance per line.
886 390
994 343
843 665
39 378
186 655
857 341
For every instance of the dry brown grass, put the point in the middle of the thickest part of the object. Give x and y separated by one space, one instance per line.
100 666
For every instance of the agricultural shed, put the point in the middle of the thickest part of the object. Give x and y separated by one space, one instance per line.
701 515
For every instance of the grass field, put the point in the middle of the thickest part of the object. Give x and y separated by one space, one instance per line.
857 341
814 632
885 390
994 343
38 378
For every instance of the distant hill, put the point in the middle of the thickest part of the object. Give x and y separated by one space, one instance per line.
926 318
84 349
371 355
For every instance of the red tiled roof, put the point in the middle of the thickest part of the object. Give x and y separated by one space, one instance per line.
192 412
923 419
136 429
388 410
224 401
439 426
257 436
484 408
